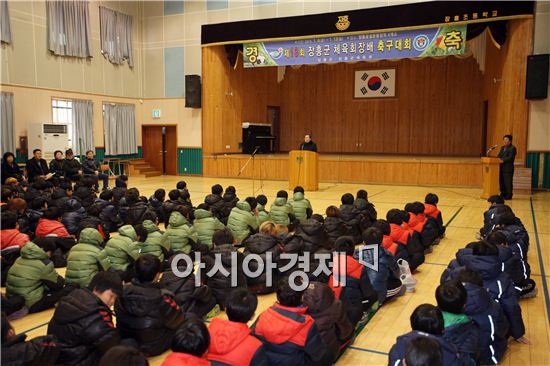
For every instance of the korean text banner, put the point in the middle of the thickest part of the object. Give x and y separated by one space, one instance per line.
426 42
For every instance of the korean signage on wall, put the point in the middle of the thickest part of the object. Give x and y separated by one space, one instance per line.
426 42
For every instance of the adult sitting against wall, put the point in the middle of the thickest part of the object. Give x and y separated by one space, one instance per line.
92 168
10 169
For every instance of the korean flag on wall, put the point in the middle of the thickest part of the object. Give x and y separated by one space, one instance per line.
374 83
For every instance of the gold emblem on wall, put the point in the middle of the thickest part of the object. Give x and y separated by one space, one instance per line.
343 23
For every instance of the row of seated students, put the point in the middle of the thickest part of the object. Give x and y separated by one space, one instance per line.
364 291
478 299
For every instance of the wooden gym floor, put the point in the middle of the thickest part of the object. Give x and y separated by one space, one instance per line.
462 210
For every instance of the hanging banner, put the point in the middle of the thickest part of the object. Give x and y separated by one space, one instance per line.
442 41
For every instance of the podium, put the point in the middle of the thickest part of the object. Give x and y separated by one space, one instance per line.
303 170
490 173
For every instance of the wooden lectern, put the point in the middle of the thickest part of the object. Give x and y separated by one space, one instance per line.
490 172
303 170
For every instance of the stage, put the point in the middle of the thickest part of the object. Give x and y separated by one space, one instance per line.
355 168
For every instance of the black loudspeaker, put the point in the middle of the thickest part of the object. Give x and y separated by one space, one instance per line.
536 86
192 91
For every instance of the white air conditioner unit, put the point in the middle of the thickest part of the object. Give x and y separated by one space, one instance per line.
48 137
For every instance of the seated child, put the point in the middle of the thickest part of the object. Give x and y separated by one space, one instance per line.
334 225
353 219
423 351
281 211
230 340
73 213
261 244
108 213
399 252
43 351
242 220
123 250
426 321
426 227
431 210
300 205
86 259
11 236
123 355
215 202
385 280
460 330
263 215
230 200
154 244
290 336
192 299
205 225
83 322
189 345
179 236
400 235
219 282
33 277
356 292
50 224
145 312
488 315
156 201
489 216
365 207
330 317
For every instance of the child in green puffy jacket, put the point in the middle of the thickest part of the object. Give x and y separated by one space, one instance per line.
281 211
86 258
300 205
180 236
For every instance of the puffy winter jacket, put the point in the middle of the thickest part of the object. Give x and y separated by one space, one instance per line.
230 201
232 344
450 355
314 235
154 244
136 212
149 315
280 211
263 215
51 228
184 359
335 228
300 206
461 331
33 216
354 221
40 351
156 205
366 209
180 235
74 213
413 247
433 212
108 214
329 315
290 337
122 250
242 222
31 274
205 225
86 259
358 295
499 285
261 244
220 284
83 324
489 218
387 268
492 323
217 206
13 238
513 264
86 195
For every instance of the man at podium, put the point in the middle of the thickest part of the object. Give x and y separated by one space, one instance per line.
308 144
507 155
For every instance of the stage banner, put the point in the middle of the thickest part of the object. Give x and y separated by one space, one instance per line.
426 42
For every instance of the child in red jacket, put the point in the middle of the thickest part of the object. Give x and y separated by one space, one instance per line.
50 224
230 340
11 236
400 235
431 210
189 345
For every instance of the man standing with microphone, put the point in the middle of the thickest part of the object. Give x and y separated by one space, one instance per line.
507 155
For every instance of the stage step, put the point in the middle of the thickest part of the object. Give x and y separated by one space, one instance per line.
154 173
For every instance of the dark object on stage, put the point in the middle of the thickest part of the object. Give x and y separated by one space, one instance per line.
425 14
257 136
536 86
192 91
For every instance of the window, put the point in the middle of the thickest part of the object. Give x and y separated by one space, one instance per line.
62 110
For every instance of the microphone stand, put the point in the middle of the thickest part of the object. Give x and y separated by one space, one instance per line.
251 158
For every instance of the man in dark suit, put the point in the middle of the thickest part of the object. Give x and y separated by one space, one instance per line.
507 155
36 166
308 144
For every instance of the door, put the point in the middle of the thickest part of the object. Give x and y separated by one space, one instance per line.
160 148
